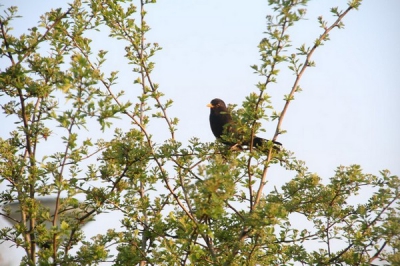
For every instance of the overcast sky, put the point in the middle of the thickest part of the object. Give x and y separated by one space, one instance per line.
348 111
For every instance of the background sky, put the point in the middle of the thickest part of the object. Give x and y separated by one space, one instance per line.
347 113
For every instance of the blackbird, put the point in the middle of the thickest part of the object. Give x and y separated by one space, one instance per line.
221 123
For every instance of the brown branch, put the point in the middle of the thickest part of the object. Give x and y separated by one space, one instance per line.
304 67
269 76
378 252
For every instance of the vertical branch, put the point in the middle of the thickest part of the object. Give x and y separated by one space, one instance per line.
141 119
270 75
30 123
328 242
285 24
306 64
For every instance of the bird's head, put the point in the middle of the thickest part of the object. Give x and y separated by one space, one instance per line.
217 105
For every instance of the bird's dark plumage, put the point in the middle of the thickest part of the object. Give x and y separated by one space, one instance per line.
222 124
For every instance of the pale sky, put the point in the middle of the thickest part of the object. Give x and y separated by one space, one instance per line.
347 113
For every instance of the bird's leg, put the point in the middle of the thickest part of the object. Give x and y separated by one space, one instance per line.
236 147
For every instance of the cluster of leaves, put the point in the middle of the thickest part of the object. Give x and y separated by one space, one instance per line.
198 204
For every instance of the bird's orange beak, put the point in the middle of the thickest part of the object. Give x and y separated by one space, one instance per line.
210 105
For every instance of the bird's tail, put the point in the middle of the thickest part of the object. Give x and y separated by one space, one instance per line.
261 143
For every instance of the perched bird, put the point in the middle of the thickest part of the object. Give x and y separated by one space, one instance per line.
222 124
